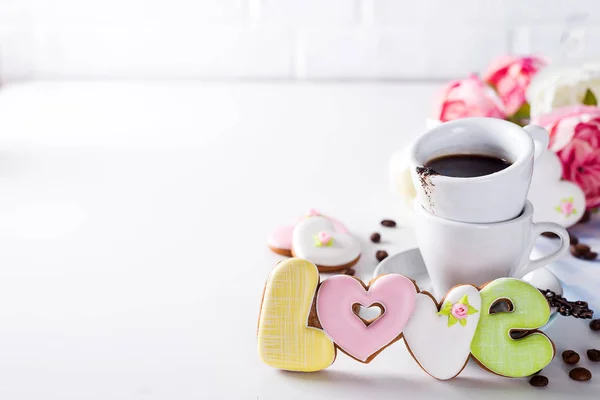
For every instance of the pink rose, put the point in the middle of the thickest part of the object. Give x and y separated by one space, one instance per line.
459 311
561 122
575 137
470 97
511 75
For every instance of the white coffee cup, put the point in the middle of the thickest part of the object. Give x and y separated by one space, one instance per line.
459 252
483 199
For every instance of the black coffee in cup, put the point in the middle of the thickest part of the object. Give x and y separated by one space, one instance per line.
467 165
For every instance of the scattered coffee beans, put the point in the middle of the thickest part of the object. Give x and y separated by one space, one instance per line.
350 271
582 251
576 309
580 374
594 355
573 239
595 325
390 223
580 248
375 237
381 255
570 357
538 381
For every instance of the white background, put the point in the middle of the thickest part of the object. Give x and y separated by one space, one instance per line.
132 238
133 215
279 39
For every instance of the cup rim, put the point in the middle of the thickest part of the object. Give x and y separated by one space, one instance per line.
527 141
526 213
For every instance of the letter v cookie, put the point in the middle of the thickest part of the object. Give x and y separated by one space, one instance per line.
439 338
285 340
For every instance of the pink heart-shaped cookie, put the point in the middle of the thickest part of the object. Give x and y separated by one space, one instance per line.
280 240
395 294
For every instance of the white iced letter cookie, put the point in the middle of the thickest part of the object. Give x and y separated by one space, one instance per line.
440 338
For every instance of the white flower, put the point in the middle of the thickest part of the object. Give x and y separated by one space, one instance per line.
555 87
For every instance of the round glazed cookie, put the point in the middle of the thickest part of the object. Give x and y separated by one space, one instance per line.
280 240
315 239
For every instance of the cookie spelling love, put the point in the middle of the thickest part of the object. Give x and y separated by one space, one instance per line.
304 322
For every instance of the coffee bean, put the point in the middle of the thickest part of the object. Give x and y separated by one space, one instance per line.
381 255
573 239
590 256
375 237
593 355
595 325
390 223
580 374
582 251
350 271
538 381
570 357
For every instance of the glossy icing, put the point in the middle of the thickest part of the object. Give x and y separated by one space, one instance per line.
281 238
554 199
344 249
335 299
284 339
492 345
443 350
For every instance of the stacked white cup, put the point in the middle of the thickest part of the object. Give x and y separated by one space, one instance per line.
475 230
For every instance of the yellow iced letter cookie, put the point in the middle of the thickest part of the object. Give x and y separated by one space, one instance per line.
285 340
507 305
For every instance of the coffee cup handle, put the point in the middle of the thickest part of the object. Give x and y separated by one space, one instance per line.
540 138
536 230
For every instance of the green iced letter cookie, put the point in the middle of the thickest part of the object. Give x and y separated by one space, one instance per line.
493 346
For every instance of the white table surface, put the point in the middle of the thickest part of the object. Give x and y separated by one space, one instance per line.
133 219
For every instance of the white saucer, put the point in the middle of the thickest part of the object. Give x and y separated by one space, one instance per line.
410 264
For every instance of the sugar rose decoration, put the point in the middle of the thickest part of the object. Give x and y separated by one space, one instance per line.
458 312
313 213
470 97
510 76
566 207
323 239
575 137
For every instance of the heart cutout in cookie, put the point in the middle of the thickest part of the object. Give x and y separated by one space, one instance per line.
336 297
368 315
315 239
439 338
